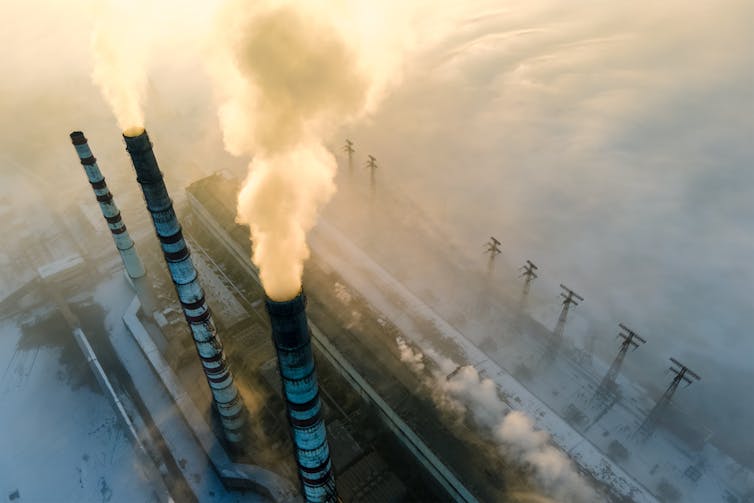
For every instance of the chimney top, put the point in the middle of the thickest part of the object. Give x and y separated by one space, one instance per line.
78 138
287 307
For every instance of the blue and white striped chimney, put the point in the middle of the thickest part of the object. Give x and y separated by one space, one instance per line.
290 334
224 392
123 242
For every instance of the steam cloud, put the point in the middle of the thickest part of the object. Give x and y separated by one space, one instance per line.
414 359
119 52
290 78
552 469
468 392
288 74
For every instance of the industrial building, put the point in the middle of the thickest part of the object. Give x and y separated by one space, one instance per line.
320 405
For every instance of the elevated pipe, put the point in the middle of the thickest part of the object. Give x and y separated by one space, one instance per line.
123 242
290 334
185 279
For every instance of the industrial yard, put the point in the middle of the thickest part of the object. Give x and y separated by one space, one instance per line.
394 252
393 437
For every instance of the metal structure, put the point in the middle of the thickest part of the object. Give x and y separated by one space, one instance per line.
372 165
454 372
349 150
493 248
290 334
607 385
185 279
569 297
682 373
528 272
123 242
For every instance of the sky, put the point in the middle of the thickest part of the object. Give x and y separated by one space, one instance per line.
611 143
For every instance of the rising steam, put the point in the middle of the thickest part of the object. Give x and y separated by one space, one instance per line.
291 75
119 48
461 390
414 359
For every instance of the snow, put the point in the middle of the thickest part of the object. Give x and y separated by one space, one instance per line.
59 442
121 305
59 266
410 314
181 424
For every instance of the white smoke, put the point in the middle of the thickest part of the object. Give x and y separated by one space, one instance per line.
552 469
289 74
414 359
479 394
120 45
460 389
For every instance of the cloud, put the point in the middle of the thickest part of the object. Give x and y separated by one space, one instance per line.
612 145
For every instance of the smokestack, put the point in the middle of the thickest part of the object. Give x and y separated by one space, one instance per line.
190 293
123 242
290 334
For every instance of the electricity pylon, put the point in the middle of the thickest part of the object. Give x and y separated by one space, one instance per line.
568 299
349 150
493 248
607 385
682 373
372 166
528 272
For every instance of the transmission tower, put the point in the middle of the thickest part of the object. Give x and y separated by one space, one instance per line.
630 338
372 166
349 150
569 297
682 373
528 272
553 347
493 248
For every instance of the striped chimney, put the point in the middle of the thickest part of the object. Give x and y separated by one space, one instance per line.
185 279
123 242
290 334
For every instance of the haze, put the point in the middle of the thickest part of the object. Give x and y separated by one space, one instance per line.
609 143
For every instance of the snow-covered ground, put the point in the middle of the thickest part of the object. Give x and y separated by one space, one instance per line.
408 312
657 468
61 439
411 245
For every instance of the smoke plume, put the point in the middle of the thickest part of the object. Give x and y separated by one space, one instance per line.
414 359
119 50
553 470
290 74
460 389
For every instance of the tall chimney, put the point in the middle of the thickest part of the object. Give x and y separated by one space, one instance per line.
290 334
224 392
123 242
